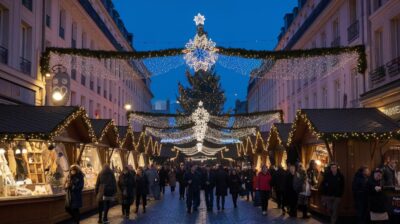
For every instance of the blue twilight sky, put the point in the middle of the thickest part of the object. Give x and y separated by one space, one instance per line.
161 24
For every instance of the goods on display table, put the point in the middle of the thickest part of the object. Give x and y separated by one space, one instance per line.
91 166
31 168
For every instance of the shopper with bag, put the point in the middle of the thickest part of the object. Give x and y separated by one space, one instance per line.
126 184
377 199
264 187
106 188
235 186
73 189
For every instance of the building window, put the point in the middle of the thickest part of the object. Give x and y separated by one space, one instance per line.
3 35
83 102
83 79
353 29
337 94
84 39
335 33
73 67
353 10
74 34
377 4
324 97
91 83
26 49
61 31
99 89
395 37
28 4
355 85
323 40
48 13
73 98
378 48
91 112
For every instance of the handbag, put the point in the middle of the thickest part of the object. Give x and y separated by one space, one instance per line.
379 216
100 193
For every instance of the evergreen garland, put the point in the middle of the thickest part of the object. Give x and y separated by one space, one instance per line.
256 54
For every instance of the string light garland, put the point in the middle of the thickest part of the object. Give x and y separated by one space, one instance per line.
194 150
244 53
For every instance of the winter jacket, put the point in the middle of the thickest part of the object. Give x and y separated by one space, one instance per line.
376 199
208 180
248 180
163 174
126 185
359 188
74 191
279 179
193 181
106 180
142 184
333 185
180 175
221 183
264 181
235 184
172 178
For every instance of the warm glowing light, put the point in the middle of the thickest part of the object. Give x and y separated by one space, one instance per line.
48 75
128 106
24 151
57 96
318 162
18 151
2 151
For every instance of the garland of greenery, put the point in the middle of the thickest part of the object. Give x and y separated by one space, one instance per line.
256 54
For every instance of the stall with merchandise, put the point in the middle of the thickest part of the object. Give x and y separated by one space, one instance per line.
350 137
127 146
36 149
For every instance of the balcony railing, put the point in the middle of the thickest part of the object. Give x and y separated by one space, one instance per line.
27 4
3 55
336 42
25 66
377 76
61 32
393 67
353 31
48 21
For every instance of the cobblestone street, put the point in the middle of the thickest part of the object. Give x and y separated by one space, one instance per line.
170 210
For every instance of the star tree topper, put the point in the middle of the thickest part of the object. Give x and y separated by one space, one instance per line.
200 53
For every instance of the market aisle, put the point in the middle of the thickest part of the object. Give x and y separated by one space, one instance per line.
170 210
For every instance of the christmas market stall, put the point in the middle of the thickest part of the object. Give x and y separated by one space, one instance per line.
128 149
37 146
107 148
277 148
255 148
350 137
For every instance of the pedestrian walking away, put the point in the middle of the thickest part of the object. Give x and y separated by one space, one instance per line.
235 186
142 189
221 187
106 188
208 184
126 185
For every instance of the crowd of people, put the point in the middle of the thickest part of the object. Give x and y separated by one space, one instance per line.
291 187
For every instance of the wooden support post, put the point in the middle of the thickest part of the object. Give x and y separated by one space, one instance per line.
109 156
330 151
82 148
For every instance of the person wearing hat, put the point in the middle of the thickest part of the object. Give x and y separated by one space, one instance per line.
73 197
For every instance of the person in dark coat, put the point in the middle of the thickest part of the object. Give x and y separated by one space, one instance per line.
180 172
376 197
106 188
290 193
389 174
235 185
313 174
142 189
193 182
73 187
172 179
248 183
360 194
163 174
279 182
332 189
221 187
126 185
208 183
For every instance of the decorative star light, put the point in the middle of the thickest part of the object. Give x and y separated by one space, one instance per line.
200 53
199 19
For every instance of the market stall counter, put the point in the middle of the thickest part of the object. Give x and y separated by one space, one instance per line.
38 144
351 138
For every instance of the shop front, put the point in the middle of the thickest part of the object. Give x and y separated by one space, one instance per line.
126 143
36 148
350 137
277 145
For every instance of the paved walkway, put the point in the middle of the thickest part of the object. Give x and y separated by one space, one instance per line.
172 211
